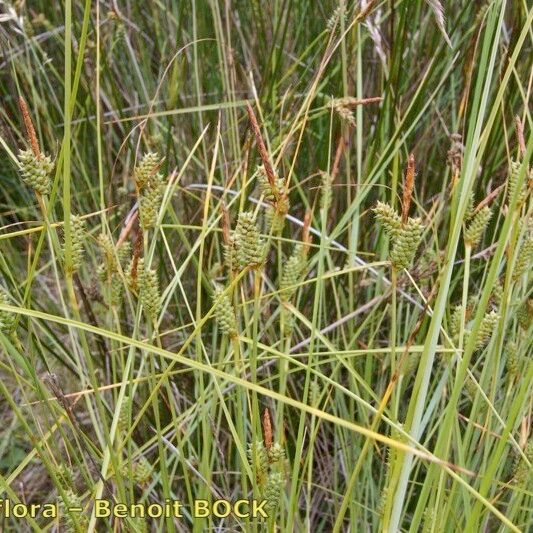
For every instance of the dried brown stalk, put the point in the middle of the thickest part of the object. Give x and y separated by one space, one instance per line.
408 187
137 250
520 135
488 199
261 147
267 429
306 235
32 137
343 143
225 223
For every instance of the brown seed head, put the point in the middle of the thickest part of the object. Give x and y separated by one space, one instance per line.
267 429
32 137
408 187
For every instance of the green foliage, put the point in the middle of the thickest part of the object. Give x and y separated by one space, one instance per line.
143 100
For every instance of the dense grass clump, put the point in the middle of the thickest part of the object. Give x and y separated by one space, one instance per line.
275 250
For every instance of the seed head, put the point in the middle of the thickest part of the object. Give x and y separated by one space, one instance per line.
258 457
326 193
7 319
292 272
486 328
276 453
477 226
147 169
142 470
150 203
512 364
77 230
225 313
273 489
250 248
124 415
524 258
406 243
390 220
148 290
35 170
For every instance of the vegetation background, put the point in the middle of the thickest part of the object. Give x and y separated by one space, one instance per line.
361 370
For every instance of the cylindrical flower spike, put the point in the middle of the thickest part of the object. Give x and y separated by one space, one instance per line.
390 220
225 313
7 319
477 226
248 243
35 171
292 273
148 290
146 169
406 243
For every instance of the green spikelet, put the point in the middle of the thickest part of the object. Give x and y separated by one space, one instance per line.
380 508
117 290
275 222
512 363
35 171
276 454
524 258
288 321
292 273
455 321
7 319
512 183
486 328
429 520
225 313
523 474
250 248
406 237
497 293
326 193
410 364
74 521
469 213
471 388
477 227
142 470
282 208
109 263
314 394
146 169
123 422
258 458
525 313
405 243
230 256
273 490
77 229
65 477
136 524
389 219
150 203
124 254
278 198
148 290
271 194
